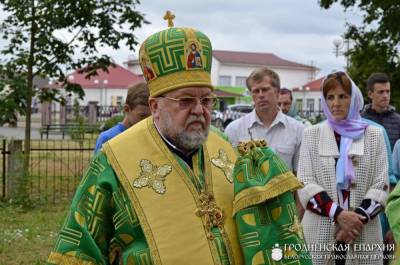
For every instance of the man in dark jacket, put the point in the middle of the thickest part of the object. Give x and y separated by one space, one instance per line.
380 111
378 85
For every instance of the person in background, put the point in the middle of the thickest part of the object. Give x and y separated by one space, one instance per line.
281 132
380 110
267 122
136 108
386 232
396 159
285 103
343 165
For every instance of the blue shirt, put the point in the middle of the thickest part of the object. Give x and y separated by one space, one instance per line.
392 177
109 134
396 159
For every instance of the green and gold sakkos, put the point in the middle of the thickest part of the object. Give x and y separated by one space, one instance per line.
264 208
114 220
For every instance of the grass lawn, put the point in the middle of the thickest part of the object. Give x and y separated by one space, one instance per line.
27 237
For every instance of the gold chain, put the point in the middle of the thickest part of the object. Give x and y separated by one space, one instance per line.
213 214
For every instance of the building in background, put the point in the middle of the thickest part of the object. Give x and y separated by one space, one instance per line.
307 98
231 68
107 89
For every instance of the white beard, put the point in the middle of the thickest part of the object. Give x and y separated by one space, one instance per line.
183 139
191 141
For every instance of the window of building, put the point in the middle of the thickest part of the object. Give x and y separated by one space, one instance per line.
116 100
119 100
224 80
310 104
240 81
299 105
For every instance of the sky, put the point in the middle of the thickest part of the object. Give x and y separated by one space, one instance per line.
298 31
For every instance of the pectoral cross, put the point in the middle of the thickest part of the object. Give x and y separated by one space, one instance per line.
213 215
169 16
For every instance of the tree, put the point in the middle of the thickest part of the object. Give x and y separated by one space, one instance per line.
376 43
11 91
33 30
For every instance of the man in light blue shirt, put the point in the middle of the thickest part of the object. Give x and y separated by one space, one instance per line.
282 133
136 108
267 121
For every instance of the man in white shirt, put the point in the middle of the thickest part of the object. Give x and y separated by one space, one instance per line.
266 121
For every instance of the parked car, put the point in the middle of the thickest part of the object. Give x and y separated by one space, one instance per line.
232 112
242 108
216 119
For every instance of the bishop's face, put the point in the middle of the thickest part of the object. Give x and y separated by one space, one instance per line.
184 116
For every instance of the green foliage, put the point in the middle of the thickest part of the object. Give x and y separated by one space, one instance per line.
376 42
76 110
78 132
91 24
12 90
80 126
112 122
49 39
316 119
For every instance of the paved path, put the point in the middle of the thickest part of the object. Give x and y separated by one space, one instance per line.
19 133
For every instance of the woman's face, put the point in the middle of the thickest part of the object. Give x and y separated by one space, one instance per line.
338 102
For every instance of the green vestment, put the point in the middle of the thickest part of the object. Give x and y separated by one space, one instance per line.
102 227
265 210
105 225
393 215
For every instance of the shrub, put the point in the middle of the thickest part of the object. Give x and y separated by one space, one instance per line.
112 122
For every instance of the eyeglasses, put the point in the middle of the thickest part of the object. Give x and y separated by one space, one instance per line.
189 102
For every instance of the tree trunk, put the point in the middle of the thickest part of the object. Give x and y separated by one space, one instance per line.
27 143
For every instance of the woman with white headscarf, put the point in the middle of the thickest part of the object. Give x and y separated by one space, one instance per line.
343 165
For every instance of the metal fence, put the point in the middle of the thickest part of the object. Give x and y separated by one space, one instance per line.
103 112
55 168
311 114
106 112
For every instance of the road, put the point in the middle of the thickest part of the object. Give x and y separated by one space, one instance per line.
19 133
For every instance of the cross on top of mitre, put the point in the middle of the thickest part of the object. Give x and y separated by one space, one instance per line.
169 17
